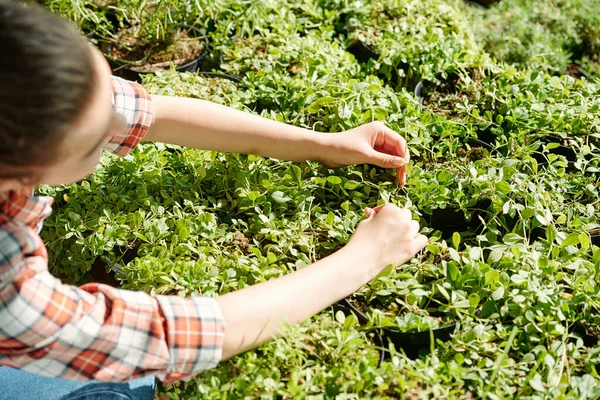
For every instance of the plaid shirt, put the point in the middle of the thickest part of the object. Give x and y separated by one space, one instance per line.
95 332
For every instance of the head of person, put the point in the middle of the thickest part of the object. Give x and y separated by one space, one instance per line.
56 109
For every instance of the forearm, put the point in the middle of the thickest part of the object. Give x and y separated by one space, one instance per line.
257 314
205 125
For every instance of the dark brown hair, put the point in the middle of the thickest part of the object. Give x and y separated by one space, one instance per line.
46 78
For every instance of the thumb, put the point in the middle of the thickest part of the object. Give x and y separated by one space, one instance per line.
369 213
384 160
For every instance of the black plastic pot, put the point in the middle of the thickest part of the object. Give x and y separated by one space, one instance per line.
475 4
568 152
589 339
481 3
412 343
449 220
123 70
362 51
346 306
423 87
487 139
417 343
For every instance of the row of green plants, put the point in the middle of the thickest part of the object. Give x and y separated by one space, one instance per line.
503 177
559 36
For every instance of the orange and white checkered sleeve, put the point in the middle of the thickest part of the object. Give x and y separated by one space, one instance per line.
96 332
133 102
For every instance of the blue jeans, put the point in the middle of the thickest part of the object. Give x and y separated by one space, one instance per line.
20 385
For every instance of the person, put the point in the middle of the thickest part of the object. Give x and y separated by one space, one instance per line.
60 107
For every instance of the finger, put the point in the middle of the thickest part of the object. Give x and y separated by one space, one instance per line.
401 174
391 142
385 160
369 213
379 208
418 243
399 215
414 228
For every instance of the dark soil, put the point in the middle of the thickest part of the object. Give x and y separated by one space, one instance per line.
474 154
574 70
181 49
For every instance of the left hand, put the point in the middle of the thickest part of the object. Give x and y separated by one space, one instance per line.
373 143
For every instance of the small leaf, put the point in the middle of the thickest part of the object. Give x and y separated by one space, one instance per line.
351 185
334 180
537 385
462 304
492 277
512 238
498 293
456 240
474 299
280 197
571 240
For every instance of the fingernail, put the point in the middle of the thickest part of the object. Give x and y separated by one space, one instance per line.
398 162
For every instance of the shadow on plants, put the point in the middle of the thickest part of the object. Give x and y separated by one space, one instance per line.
481 3
359 49
590 339
485 138
412 343
424 88
452 219
102 272
362 51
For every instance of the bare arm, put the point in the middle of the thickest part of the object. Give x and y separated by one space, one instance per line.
257 314
209 126
205 125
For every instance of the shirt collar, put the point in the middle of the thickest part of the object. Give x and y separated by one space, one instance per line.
22 206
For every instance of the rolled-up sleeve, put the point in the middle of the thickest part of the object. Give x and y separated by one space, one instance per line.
134 103
96 331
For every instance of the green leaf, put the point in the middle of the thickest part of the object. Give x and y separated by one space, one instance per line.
571 240
498 293
512 238
280 197
503 187
456 240
474 299
296 173
453 272
351 185
334 180
462 304
492 277
551 233
518 279
386 271
537 385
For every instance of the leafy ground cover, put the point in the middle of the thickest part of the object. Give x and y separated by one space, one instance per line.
504 178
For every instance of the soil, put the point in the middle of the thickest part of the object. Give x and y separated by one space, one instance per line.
474 154
180 50
241 240
574 70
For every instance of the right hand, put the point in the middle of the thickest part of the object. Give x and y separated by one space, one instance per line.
388 236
